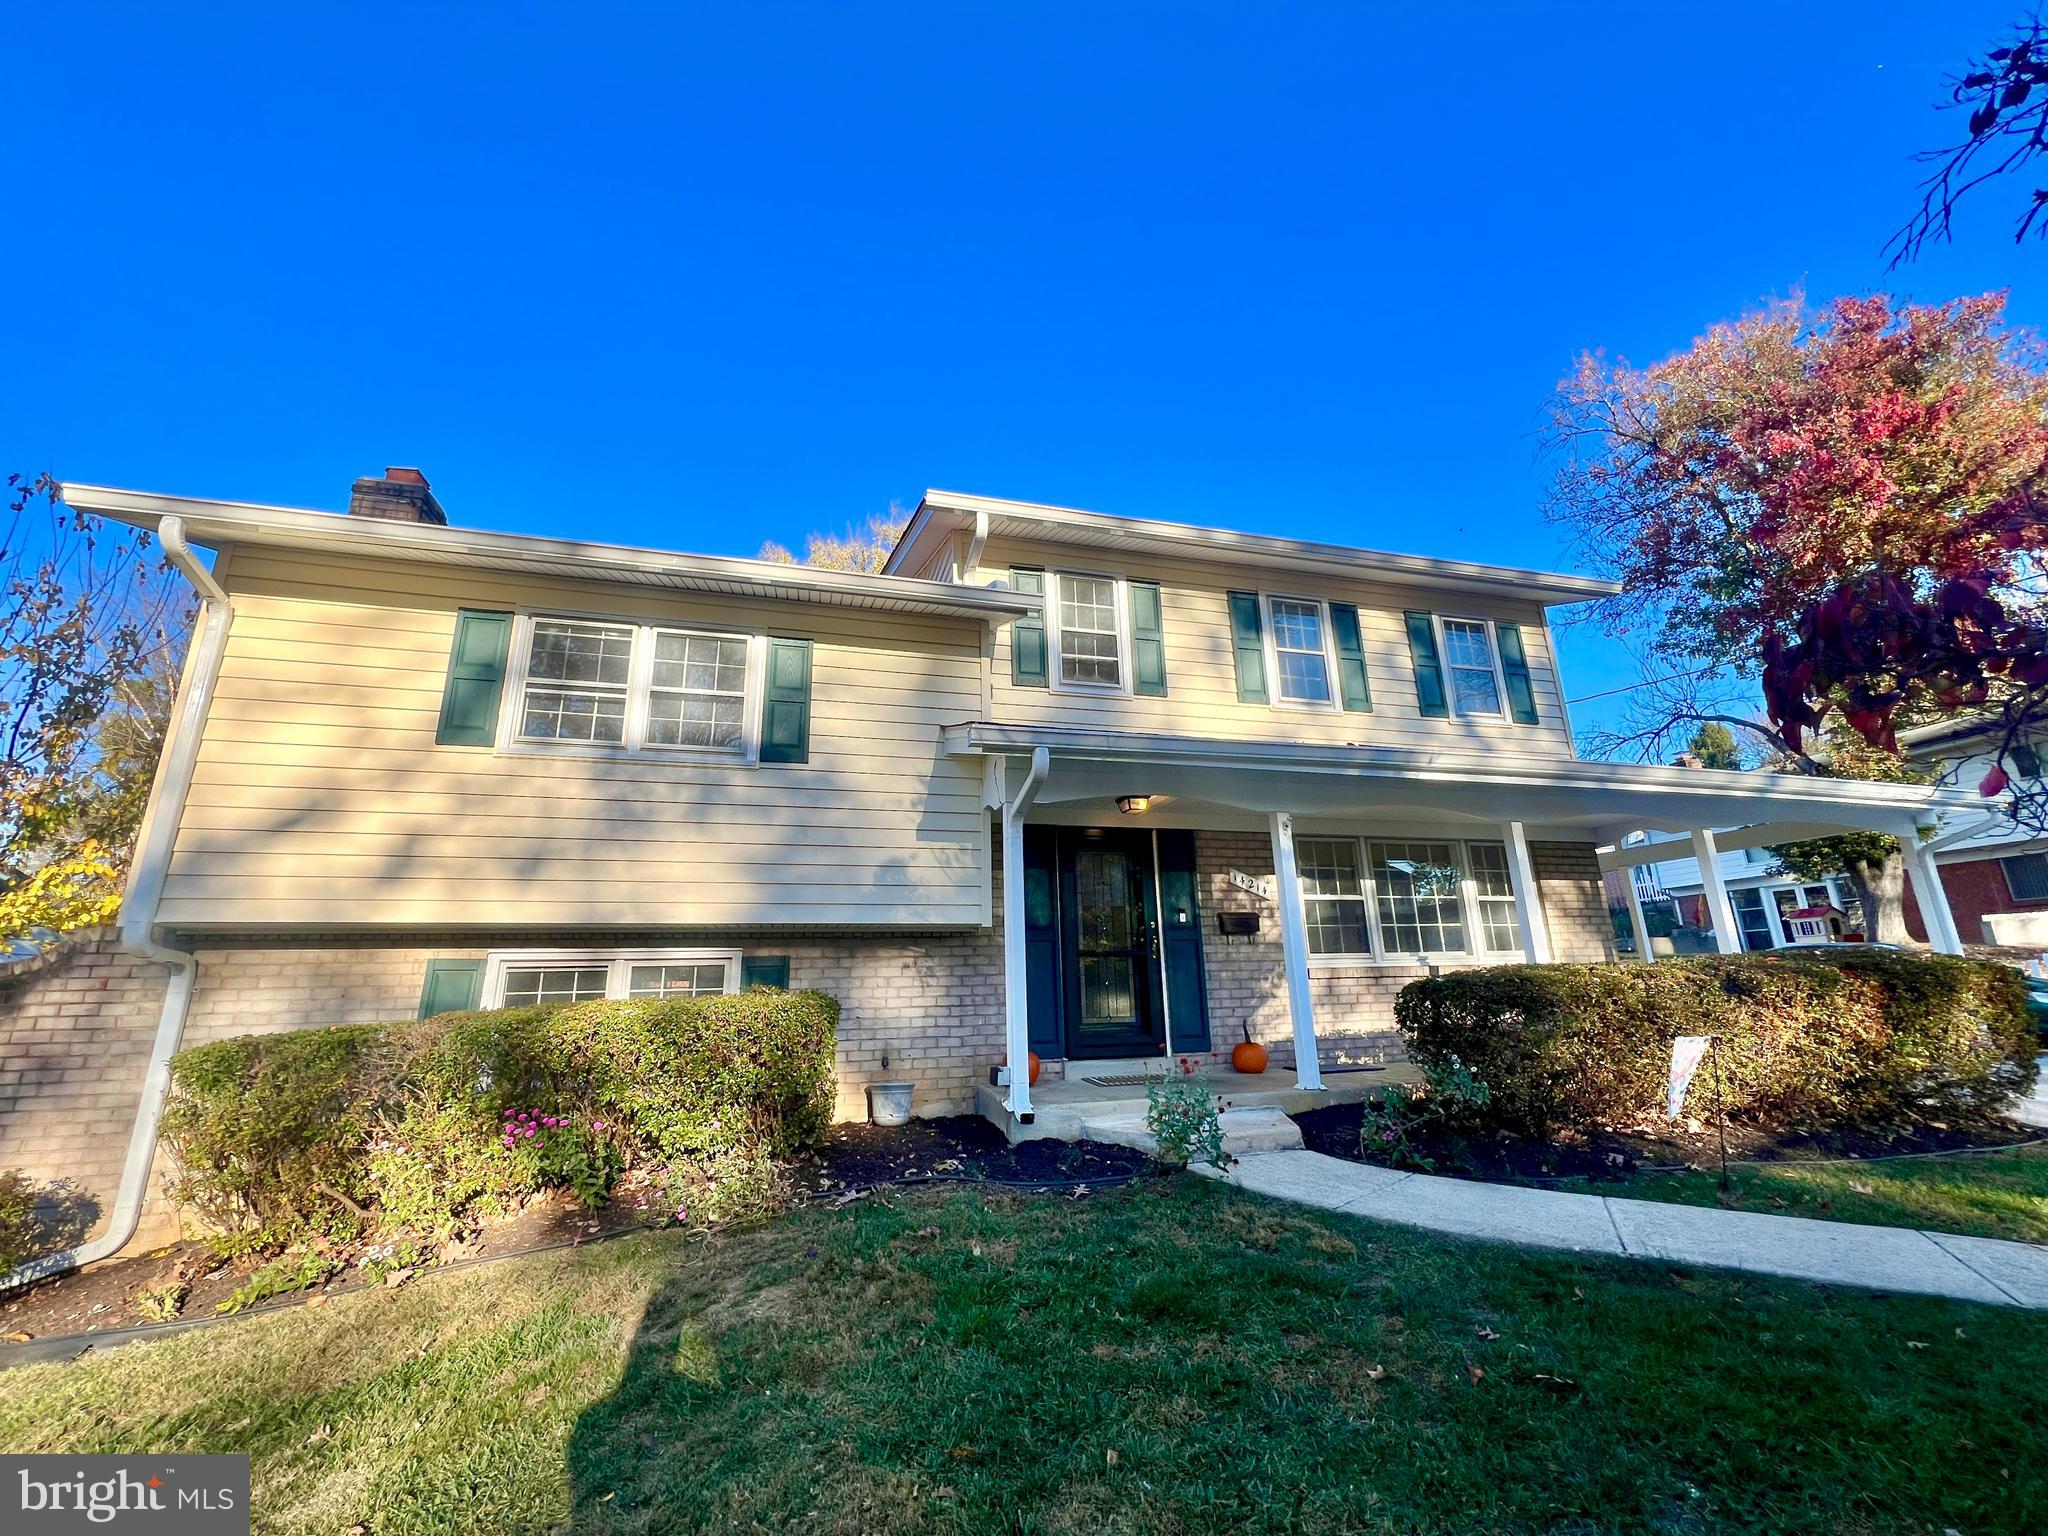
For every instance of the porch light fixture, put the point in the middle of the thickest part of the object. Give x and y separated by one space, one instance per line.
1134 805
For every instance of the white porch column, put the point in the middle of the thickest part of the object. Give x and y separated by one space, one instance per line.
1942 932
1727 936
1635 916
1528 897
1016 1005
1308 1067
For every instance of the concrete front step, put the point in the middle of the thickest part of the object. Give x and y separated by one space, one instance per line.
1245 1131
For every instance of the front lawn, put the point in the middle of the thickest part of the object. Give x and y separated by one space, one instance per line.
1990 1194
1174 1356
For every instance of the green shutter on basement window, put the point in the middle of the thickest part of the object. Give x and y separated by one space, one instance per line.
1514 666
764 971
1148 641
1351 678
786 706
1429 667
452 986
1247 643
1027 635
476 679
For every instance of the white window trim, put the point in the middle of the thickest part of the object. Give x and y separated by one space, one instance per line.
1500 677
639 686
618 963
1120 615
1468 906
1271 645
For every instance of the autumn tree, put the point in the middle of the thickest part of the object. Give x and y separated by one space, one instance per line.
89 632
865 548
1829 508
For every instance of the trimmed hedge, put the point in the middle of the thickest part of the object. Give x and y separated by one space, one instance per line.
1855 1038
403 1124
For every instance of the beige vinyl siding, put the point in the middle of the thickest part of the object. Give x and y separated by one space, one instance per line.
1201 676
320 799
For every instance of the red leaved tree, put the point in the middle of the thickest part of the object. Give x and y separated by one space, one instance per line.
1844 507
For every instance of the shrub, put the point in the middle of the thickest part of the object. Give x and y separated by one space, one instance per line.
19 1235
1840 1038
425 1127
1180 1112
1390 1122
268 1131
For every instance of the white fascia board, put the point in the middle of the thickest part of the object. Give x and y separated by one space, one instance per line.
1750 791
1231 548
214 523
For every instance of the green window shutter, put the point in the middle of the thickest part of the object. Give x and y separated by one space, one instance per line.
1148 641
476 679
2026 761
1514 666
452 986
764 971
786 709
1027 635
1247 642
1429 667
1351 677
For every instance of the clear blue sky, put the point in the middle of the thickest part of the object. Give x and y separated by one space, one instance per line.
698 276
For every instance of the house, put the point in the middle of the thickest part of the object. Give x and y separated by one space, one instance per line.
1107 790
1994 872
1762 900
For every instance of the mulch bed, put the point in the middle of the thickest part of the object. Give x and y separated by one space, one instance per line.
1622 1155
964 1147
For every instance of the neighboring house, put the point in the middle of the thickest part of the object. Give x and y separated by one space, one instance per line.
1763 901
1098 788
1995 873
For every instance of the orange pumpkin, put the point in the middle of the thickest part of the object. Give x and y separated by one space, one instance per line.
1248 1057
1034 1067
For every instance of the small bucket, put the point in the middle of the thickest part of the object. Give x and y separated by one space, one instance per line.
889 1103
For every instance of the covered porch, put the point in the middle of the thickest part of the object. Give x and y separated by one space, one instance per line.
1508 849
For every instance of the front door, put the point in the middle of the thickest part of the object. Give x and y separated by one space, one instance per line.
1110 910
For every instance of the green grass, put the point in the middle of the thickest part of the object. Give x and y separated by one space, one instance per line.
1175 1357
1990 1194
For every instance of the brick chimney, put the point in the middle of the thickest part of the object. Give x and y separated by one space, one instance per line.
399 496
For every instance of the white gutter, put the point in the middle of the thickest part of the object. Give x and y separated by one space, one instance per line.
139 905
975 546
1016 1007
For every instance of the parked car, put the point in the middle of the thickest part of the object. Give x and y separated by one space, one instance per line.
2037 1001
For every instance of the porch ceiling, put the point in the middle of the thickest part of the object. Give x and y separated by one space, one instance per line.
1601 801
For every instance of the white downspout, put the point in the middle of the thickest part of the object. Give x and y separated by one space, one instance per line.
1016 1006
139 904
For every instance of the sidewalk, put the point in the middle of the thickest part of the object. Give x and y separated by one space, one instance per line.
1831 1252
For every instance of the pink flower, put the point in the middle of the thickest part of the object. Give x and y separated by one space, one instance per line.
597 1125
508 1141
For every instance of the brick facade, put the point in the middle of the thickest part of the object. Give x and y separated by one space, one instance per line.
1976 888
76 1028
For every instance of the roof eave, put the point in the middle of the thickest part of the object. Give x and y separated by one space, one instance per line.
214 523
1550 588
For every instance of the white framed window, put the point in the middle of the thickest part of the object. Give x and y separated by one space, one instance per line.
519 977
1334 896
1394 901
611 687
1493 898
1299 652
1472 667
1089 646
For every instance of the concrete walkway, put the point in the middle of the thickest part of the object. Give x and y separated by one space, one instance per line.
1831 1252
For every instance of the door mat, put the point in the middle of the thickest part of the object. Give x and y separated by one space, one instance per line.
1128 1080
1333 1071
